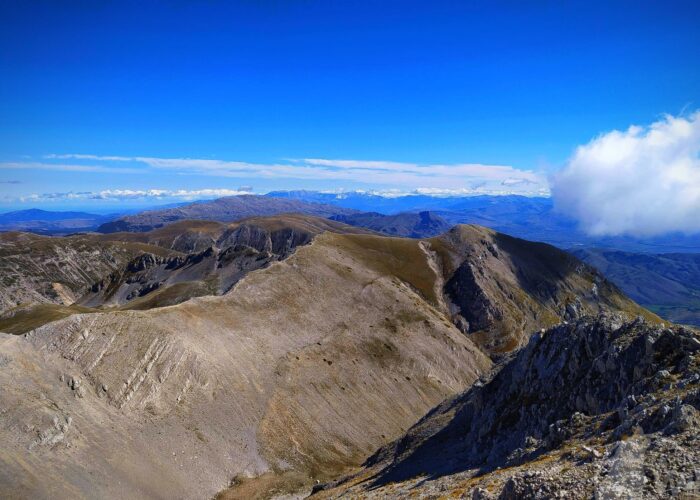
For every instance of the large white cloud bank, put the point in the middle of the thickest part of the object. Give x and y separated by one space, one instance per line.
644 181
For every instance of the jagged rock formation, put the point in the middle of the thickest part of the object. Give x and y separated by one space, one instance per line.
50 278
226 209
601 408
501 289
39 269
408 224
213 257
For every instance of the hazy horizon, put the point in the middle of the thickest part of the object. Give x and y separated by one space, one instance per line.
133 107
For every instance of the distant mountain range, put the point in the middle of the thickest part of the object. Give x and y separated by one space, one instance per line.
49 222
226 209
668 284
406 224
526 217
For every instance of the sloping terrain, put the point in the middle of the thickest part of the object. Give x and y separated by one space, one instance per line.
499 289
49 278
407 224
40 269
597 409
495 288
668 284
175 401
222 210
298 373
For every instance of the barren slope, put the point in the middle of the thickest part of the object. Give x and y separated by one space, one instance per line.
596 409
309 364
42 269
298 373
501 289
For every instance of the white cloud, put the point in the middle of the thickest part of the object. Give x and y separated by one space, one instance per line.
642 181
87 157
62 167
135 194
471 177
200 194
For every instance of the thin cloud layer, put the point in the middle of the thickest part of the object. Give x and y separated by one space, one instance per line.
384 178
472 178
643 181
62 167
136 194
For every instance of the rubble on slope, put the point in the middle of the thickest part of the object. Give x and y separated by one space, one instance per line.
599 408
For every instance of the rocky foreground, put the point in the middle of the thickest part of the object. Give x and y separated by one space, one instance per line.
600 408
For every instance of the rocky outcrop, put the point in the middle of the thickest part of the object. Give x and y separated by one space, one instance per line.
502 289
139 270
39 269
235 250
602 398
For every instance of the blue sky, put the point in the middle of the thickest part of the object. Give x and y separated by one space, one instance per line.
112 97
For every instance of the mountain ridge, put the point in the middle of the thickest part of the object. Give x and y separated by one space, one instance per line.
140 270
291 359
226 209
260 386
626 426
405 224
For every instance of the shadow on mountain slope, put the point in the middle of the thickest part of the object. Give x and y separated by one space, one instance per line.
617 376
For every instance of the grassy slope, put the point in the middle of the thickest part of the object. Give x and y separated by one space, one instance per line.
23 319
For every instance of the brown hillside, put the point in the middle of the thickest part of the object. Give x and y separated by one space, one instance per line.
176 401
299 372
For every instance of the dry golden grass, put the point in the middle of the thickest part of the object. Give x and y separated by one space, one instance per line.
25 318
402 258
